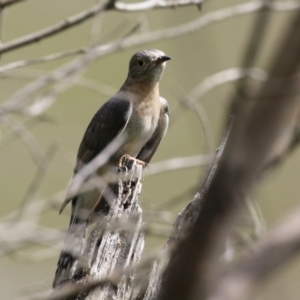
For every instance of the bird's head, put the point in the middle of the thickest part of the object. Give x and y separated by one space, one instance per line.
147 65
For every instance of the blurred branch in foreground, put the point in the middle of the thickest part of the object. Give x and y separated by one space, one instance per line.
258 128
262 258
6 3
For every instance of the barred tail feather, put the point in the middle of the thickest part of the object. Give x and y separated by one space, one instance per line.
72 249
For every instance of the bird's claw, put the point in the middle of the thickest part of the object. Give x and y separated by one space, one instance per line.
126 161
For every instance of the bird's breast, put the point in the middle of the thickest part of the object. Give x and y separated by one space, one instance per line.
141 126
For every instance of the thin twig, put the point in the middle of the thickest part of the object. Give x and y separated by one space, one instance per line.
260 260
154 4
178 163
80 18
95 86
57 28
225 76
6 3
36 182
28 138
185 101
16 101
44 59
255 44
36 208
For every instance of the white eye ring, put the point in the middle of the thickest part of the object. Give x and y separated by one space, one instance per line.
140 62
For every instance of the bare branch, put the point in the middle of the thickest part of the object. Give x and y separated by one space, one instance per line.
182 224
35 208
255 43
200 112
91 168
81 288
47 58
177 163
225 76
260 261
16 101
59 27
153 4
230 178
37 179
255 132
96 86
28 138
83 16
206 20
24 234
6 3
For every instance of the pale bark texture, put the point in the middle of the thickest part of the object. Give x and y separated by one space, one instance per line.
114 247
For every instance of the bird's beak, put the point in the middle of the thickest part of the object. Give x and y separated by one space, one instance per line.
162 59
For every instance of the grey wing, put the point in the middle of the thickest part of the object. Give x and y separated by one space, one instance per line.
109 121
151 146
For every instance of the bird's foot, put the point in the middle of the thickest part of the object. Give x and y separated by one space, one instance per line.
126 160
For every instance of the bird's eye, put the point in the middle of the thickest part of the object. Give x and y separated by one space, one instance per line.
140 63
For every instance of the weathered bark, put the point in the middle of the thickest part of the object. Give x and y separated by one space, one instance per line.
181 225
260 127
117 250
113 249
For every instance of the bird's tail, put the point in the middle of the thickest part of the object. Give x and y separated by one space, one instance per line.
73 246
85 209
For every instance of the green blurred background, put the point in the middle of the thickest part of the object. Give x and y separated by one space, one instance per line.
194 57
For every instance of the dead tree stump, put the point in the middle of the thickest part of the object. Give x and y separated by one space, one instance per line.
113 248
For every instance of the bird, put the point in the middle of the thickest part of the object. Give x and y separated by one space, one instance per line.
136 114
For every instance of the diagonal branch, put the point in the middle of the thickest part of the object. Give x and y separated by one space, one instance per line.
6 3
154 4
277 247
52 30
15 103
86 15
44 59
256 130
